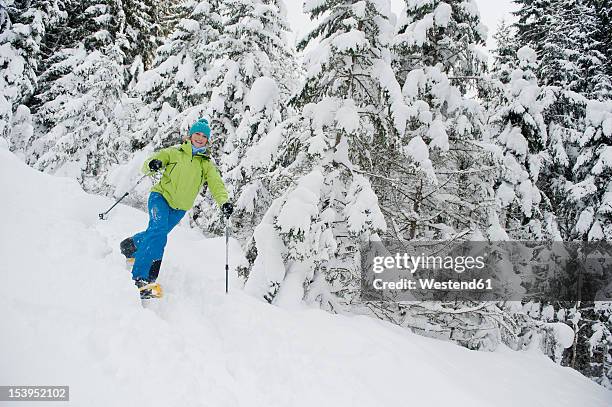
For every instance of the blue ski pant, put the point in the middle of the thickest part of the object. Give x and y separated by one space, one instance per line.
150 244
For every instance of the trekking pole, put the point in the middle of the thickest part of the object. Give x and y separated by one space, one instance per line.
101 215
226 253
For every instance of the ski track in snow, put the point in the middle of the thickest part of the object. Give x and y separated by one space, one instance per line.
71 316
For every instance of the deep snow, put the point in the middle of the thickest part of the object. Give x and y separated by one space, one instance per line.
71 316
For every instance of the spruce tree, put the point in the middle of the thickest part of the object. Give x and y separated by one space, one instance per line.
570 52
147 28
533 22
253 44
23 27
504 55
143 34
590 195
603 40
439 32
575 68
308 244
439 186
78 105
519 129
251 75
11 69
173 89
438 161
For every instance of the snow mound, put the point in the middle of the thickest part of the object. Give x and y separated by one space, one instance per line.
527 54
263 94
352 40
71 316
563 334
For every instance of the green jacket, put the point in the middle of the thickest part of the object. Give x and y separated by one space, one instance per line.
184 176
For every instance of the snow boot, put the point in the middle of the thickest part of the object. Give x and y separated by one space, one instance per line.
148 289
128 248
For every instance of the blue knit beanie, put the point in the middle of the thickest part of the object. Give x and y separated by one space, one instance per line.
201 126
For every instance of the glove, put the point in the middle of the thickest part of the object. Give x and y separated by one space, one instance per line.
227 209
155 165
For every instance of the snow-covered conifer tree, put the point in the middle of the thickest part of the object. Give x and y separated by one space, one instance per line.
603 44
308 244
169 13
575 70
11 68
143 30
209 68
591 192
251 77
252 45
439 155
86 58
440 183
247 163
570 52
520 130
23 26
504 55
441 32
492 88
600 344
172 88
540 26
81 95
143 33
534 20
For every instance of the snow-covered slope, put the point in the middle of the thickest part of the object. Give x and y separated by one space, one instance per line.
71 316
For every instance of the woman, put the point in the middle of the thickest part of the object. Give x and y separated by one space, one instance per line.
186 168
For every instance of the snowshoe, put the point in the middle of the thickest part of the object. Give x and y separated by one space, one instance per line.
149 289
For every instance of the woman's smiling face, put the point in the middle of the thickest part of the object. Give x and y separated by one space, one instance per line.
199 139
